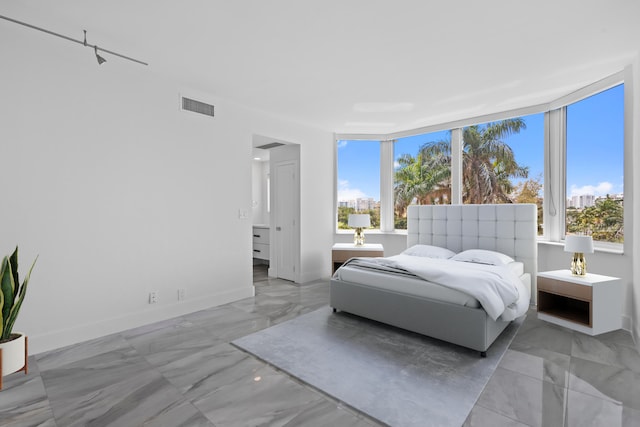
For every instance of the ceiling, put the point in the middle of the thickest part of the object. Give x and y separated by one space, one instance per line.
360 66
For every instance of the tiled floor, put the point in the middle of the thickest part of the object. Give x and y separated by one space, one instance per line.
184 372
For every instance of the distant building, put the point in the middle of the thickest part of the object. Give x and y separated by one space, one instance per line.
360 204
365 204
582 201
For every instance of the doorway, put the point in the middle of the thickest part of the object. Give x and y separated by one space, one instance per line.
283 217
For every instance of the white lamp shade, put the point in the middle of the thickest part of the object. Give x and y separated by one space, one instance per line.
582 244
359 220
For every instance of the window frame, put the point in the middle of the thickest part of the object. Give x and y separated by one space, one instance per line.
554 174
337 140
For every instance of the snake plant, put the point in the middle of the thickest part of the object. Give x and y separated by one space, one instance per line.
11 293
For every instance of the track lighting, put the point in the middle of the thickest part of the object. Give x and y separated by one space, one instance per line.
100 59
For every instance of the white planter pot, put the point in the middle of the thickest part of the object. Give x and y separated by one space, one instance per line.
13 354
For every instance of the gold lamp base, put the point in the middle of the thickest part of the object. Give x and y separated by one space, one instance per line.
578 264
358 237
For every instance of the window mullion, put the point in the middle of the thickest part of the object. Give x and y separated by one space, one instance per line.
456 166
386 186
554 174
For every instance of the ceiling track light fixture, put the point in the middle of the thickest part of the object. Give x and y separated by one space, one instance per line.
83 42
100 59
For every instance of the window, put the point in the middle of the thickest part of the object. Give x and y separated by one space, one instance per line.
422 173
498 159
503 162
595 166
358 180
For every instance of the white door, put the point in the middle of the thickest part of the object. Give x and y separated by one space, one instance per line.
285 227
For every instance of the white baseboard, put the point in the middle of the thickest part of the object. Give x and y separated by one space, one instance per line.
61 338
307 277
627 325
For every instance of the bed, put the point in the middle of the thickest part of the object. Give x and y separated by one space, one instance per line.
510 229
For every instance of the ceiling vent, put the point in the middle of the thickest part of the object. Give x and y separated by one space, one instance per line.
197 106
271 145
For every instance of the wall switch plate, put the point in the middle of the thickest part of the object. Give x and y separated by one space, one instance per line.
153 297
243 214
181 293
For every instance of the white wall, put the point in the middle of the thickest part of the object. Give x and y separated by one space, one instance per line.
121 193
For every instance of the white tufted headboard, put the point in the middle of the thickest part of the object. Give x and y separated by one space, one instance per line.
507 228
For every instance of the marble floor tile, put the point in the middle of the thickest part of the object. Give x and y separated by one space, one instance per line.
116 388
203 373
619 337
228 322
277 310
538 363
541 334
184 372
24 401
586 410
328 413
607 382
55 358
524 399
482 417
172 343
266 397
606 351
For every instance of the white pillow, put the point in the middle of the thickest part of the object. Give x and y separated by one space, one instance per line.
429 251
483 256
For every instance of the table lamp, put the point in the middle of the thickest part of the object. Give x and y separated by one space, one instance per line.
359 221
579 245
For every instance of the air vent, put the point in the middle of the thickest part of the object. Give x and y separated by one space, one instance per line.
271 145
197 106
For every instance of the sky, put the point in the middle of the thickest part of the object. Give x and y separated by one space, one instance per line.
595 155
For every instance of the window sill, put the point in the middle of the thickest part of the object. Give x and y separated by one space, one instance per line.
376 231
603 247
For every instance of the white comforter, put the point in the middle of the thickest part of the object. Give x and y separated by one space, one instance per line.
499 290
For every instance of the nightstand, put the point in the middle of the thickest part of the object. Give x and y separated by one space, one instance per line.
591 304
341 252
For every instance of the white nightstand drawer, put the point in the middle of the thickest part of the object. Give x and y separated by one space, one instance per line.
568 289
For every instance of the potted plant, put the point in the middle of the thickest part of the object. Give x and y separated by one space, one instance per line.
13 345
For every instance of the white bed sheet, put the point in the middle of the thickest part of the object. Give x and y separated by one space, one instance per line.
413 285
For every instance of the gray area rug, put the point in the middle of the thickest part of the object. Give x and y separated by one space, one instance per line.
397 377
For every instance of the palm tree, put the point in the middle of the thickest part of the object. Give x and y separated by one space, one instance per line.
488 163
418 178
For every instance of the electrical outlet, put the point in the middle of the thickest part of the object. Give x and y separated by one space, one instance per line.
181 293
153 297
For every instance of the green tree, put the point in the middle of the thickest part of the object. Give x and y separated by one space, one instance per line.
418 178
529 192
603 221
488 163
343 217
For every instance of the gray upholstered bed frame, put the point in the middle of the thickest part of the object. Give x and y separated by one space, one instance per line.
507 228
